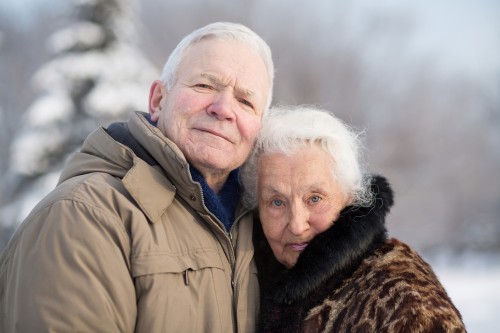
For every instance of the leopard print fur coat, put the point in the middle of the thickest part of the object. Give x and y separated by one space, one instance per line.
351 278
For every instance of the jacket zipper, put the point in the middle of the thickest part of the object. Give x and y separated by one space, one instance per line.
227 234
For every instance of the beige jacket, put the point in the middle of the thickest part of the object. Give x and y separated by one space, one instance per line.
123 246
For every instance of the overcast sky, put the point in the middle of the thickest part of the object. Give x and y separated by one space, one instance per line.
463 35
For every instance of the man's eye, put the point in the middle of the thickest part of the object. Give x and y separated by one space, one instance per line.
277 202
203 86
245 102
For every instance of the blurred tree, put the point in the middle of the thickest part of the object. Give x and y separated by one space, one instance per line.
96 75
21 52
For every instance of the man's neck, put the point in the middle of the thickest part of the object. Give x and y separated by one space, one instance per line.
215 180
224 202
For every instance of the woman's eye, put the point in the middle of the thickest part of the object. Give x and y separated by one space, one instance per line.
277 202
315 199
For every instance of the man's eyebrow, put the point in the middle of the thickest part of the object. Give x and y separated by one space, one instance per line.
245 92
218 82
212 78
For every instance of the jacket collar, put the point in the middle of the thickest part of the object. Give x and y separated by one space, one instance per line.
149 188
169 158
330 255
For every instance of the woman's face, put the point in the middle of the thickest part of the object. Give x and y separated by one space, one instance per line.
298 199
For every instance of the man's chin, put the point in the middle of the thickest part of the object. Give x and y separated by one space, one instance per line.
217 166
221 162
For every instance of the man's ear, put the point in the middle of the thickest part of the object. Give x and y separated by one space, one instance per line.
156 95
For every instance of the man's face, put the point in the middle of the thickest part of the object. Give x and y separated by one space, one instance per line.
214 110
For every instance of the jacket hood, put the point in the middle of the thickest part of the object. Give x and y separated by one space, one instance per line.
101 152
330 255
115 150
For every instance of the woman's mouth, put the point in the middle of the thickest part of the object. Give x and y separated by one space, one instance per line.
298 246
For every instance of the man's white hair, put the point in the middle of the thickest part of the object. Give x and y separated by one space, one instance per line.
220 31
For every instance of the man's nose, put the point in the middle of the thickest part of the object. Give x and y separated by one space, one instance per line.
299 220
222 106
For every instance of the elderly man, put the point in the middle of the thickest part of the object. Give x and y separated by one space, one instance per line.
144 231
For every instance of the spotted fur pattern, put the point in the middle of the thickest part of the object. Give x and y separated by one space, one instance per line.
393 290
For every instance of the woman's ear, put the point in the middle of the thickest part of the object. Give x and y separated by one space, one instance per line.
156 95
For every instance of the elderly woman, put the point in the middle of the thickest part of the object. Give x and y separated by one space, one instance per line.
333 269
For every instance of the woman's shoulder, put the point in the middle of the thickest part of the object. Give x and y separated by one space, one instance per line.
394 290
410 290
398 262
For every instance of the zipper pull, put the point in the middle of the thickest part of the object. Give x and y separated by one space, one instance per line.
186 277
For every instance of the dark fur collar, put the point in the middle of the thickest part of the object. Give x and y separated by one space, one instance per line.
331 255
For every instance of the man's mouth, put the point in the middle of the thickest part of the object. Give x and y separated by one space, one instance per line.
214 133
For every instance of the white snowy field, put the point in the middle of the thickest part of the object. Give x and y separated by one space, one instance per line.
473 284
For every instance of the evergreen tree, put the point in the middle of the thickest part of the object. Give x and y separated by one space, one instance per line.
97 75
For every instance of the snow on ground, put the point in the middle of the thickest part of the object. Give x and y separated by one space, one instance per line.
473 284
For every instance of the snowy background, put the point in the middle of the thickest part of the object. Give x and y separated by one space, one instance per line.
421 78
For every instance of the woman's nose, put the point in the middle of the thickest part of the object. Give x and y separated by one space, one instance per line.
299 220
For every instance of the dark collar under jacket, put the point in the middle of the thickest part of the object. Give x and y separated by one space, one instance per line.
329 257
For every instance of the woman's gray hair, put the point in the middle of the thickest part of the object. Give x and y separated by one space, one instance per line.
220 31
286 128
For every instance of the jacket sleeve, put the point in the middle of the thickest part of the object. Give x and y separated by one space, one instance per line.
68 269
